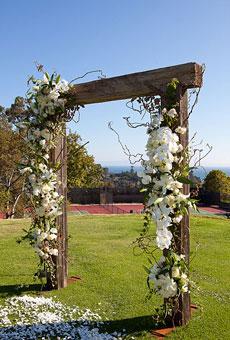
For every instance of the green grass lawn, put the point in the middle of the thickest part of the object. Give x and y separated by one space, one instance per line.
113 281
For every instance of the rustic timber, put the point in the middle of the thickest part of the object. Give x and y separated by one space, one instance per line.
183 311
136 84
59 155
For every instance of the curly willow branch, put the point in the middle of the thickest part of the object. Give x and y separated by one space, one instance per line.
125 148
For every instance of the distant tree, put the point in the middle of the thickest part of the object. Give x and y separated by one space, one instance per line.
12 149
216 181
17 112
226 188
83 172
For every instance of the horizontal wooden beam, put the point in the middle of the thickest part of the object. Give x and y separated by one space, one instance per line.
136 84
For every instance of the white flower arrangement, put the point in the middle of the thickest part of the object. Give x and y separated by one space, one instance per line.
168 276
166 204
44 125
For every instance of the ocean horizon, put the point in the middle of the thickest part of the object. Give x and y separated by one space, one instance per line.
201 172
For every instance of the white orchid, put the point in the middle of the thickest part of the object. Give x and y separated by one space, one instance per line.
165 198
164 238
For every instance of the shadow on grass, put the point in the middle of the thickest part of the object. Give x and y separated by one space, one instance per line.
11 290
133 326
126 327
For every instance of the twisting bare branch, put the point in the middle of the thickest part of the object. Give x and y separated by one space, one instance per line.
134 125
195 92
89 72
78 117
126 149
130 105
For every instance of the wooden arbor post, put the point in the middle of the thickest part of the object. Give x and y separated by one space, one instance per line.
183 311
59 155
148 83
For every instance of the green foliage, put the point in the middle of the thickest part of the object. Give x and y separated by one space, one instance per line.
83 172
217 181
171 93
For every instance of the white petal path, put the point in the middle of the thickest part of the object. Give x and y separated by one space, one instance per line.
31 318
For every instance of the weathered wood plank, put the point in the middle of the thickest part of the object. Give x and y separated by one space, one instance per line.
136 84
183 312
59 155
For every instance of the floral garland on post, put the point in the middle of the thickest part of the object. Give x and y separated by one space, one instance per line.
46 104
164 173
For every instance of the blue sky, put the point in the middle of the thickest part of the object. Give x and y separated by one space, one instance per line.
119 37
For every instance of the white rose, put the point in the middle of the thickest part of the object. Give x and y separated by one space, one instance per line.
42 167
46 156
184 289
27 169
181 130
54 252
53 95
170 200
45 202
45 134
52 237
46 188
36 191
146 179
184 278
173 147
175 272
177 219
53 230
32 178
172 113
180 148
63 86
42 142
55 194
166 167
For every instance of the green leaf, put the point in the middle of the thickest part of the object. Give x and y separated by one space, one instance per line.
146 269
47 76
184 180
58 79
158 200
143 190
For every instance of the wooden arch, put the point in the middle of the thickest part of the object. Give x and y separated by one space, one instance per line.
128 86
